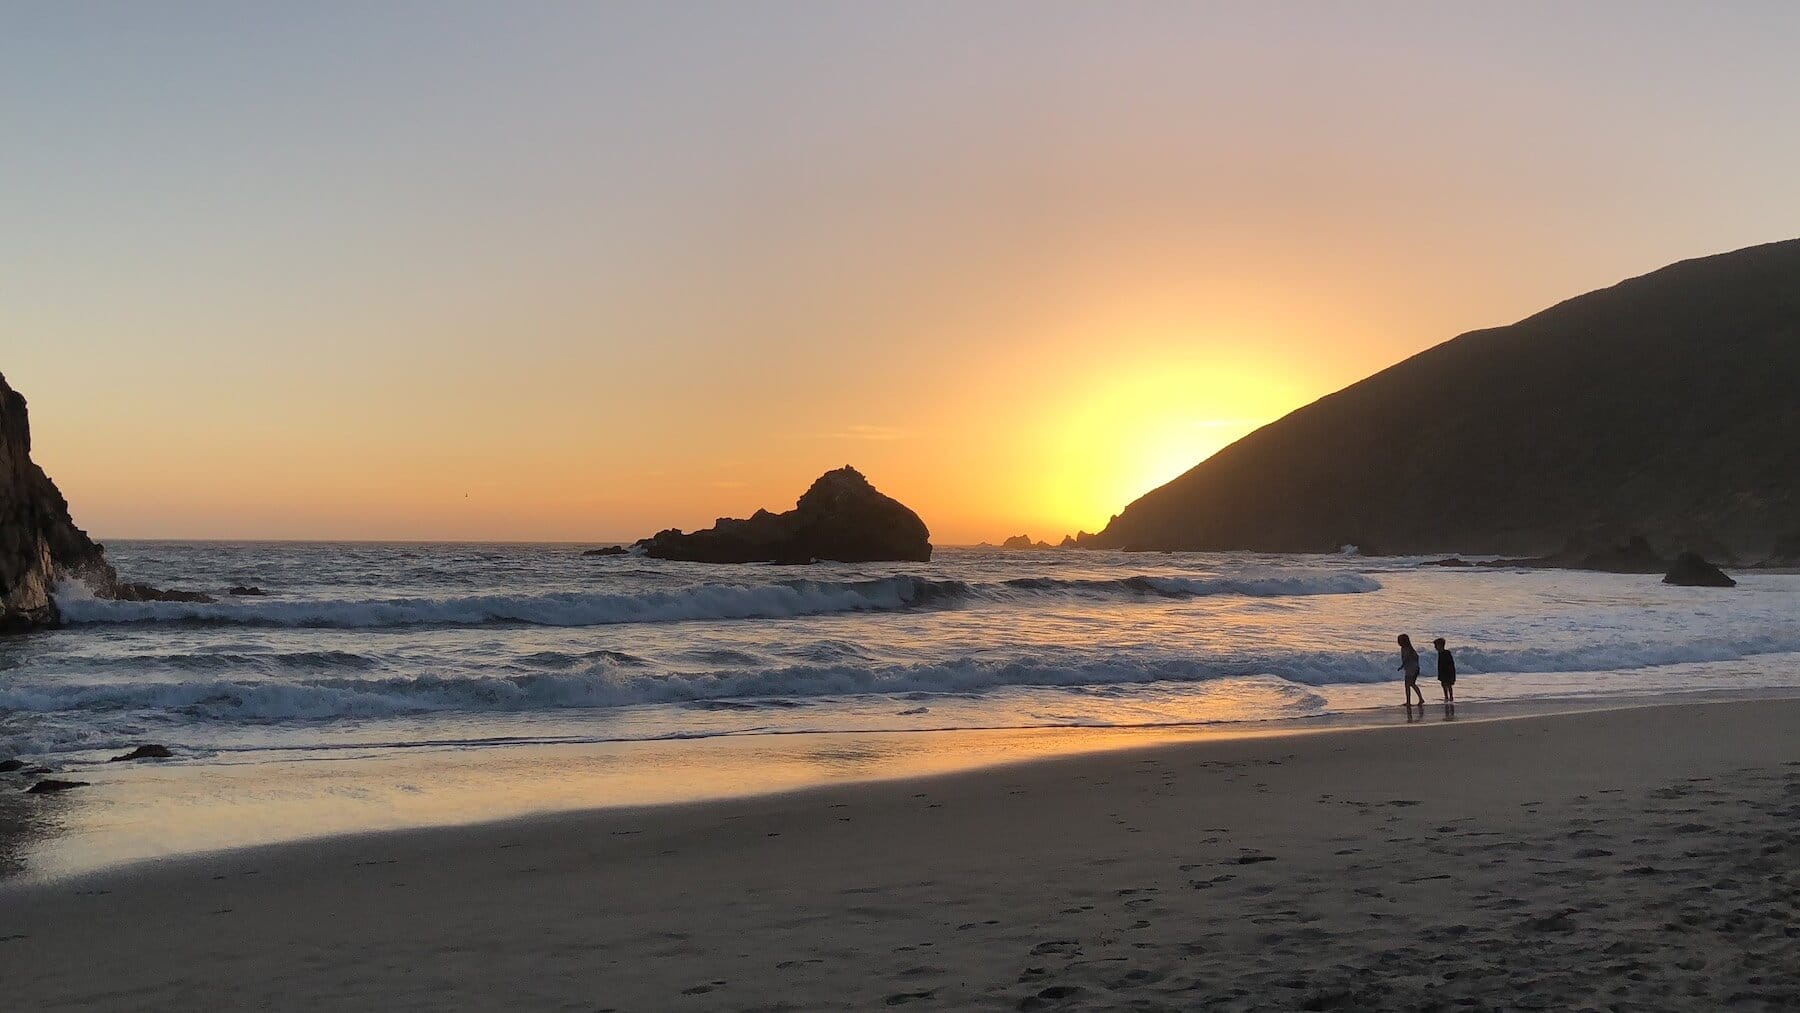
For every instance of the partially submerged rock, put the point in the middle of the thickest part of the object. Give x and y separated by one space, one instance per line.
49 785
1692 570
246 591
841 518
1023 542
607 550
146 752
39 542
144 592
9 765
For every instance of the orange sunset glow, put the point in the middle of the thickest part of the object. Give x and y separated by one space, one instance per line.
526 282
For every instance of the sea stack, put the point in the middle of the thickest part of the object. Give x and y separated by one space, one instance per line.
1693 570
39 542
841 518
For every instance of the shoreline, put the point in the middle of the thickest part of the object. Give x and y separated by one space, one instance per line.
1385 866
145 815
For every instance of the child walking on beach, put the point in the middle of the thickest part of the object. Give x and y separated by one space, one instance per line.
1409 664
1446 670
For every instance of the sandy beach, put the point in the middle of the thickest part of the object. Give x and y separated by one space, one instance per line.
1643 858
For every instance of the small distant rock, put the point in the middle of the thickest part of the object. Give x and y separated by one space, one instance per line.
244 590
1023 542
1451 561
607 550
149 752
1692 570
49 785
8 766
35 771
144 592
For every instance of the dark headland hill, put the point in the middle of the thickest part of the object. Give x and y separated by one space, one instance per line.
1666 406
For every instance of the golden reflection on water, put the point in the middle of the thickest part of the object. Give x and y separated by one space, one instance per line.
149 811
139 812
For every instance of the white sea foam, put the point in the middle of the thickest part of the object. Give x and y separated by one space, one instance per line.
624 681
772 600
421 643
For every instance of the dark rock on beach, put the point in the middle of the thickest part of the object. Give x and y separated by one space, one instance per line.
245 591
841 518
39 542
8 766
1692 570
49 785
608 550
1453 561
149 752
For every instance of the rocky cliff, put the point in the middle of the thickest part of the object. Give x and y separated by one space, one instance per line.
1662 406
39 542
842 518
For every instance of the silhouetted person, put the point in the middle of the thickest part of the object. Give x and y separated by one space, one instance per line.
1409 663
1446 671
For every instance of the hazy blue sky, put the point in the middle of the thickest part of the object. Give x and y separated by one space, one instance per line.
584 270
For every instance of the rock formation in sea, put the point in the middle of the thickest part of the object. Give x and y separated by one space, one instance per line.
1692 570
841 518
1632 555
39 542
1023 542
1662 405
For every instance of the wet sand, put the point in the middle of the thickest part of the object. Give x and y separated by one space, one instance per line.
1634 858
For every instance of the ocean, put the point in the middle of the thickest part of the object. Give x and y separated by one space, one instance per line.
690 678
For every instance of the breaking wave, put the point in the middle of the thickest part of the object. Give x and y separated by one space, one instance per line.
774 600
623 681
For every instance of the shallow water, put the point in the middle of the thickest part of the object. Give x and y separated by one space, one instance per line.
480 656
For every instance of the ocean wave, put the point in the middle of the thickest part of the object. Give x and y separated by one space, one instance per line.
773 600
267 662
609 684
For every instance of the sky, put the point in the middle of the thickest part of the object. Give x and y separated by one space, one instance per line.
572 271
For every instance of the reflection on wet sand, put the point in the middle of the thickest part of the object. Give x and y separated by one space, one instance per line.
26 821
138 812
